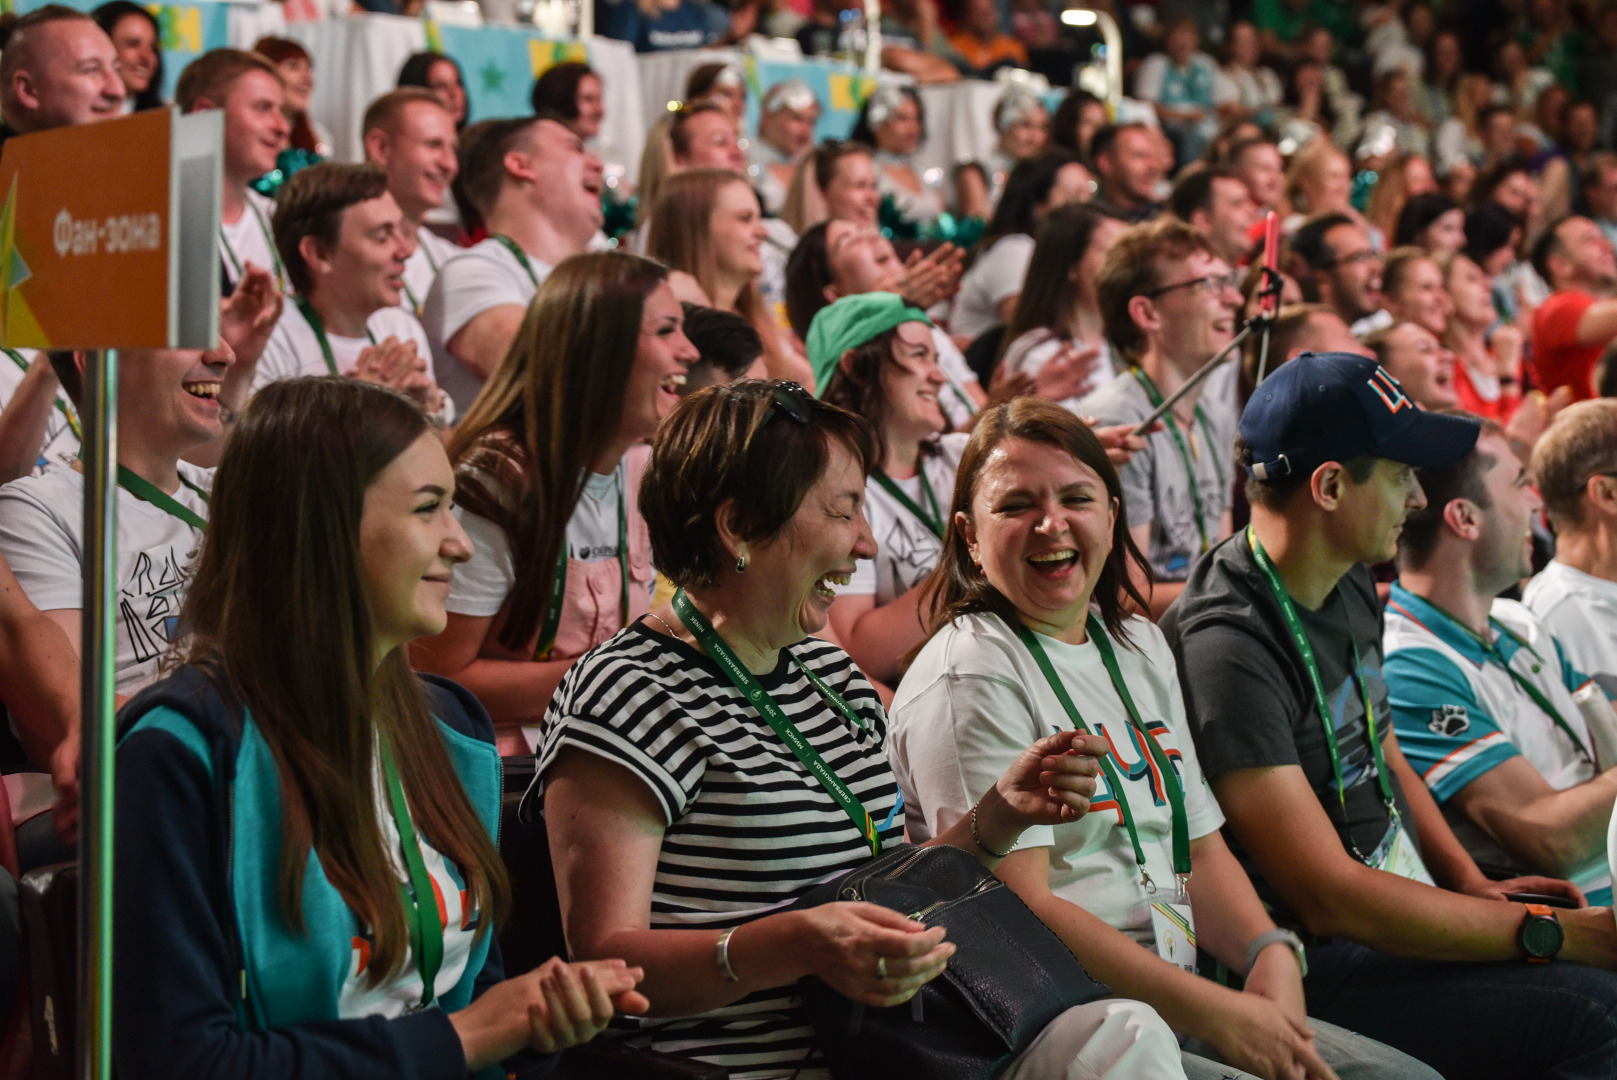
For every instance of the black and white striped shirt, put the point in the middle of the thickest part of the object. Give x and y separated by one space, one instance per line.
749 828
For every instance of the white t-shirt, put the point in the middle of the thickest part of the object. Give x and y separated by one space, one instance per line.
403 994
481 584
974 699
906 549
955 400
1036 348
249 240
480 277
41 537
995 276
293 349
1581 611
421 268
61 441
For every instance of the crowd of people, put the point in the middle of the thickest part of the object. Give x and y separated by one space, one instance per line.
768 530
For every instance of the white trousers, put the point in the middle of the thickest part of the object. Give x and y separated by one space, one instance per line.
1114 1039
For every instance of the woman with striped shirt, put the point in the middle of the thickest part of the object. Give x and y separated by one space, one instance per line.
684 818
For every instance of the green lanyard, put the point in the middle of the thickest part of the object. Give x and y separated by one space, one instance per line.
558 580
1298 635
1155 397
415 304
275 256
319 328
420 899
965 398
933 521
146 491
521 256
744 681
1492 652
67 413
1170 778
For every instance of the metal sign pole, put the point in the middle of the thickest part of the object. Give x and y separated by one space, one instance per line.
97 652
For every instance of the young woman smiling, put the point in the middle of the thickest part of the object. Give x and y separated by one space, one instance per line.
548 459
294 799
708 228
1030 635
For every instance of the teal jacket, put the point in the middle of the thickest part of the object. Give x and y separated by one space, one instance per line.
208 979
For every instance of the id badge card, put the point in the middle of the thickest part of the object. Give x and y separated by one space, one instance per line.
1396 854
1175 930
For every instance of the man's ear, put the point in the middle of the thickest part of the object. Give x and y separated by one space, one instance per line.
377 145
1464 518
1144 313
1328 484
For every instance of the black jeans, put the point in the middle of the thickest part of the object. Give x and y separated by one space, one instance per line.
1510 1021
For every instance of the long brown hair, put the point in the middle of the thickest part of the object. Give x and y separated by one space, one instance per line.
548 413
959 587
279 619
680 235
855 384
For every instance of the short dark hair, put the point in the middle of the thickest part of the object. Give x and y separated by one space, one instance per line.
726 340
483 147
1488 227
1418 214
1461 480
556 91
1239 147
1490 179
1309 240
1548 244
1277 492
311 203
1193 190
1104 139
734 444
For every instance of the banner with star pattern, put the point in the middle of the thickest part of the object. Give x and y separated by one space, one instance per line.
187 30
501 63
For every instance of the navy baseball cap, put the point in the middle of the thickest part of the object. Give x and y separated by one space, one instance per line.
1335 406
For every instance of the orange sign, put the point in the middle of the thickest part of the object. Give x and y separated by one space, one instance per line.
91 246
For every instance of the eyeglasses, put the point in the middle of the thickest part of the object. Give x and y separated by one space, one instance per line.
790 398
1348 260
1211 284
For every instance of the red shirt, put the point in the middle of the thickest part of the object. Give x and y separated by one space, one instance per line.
1558 357
1501 408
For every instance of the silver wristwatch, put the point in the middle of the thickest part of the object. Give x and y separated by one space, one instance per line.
1277 937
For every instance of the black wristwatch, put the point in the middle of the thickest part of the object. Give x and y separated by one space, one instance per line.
1540 935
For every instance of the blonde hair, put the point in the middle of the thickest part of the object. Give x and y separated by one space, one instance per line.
1306 164
1580 442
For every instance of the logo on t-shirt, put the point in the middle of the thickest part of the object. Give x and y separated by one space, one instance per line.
1449 720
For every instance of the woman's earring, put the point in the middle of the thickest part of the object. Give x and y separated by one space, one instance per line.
741 564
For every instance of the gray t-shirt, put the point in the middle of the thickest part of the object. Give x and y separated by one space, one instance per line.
1250 701
1157 489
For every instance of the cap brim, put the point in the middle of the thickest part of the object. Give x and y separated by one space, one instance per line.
1433 441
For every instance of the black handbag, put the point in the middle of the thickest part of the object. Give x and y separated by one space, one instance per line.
1009 977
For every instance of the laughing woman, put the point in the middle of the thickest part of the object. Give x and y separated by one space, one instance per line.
292 799
548 460
683 814
1030 636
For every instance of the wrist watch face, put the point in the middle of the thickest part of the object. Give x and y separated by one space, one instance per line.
1541 936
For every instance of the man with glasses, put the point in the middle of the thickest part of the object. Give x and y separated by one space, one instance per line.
1340 269
1575 468
1168 303
1483 697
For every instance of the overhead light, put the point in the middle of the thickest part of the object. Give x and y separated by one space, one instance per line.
1078 17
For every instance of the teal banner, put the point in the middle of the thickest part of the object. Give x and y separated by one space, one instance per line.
501 64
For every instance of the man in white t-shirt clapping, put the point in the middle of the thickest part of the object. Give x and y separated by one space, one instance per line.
341 237
538 192
411 136
248 89
1575 467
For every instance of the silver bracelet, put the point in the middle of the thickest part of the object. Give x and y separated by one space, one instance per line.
1277 937
721 955
978 840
